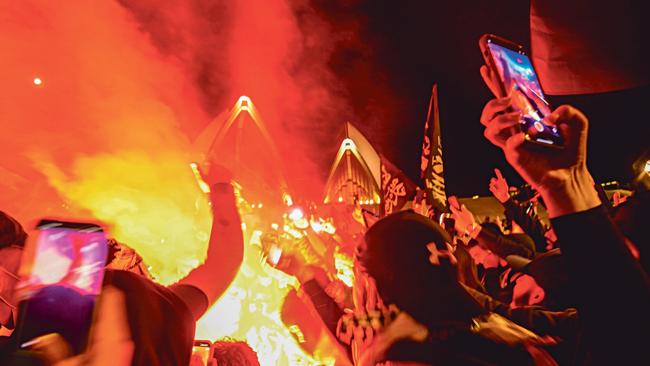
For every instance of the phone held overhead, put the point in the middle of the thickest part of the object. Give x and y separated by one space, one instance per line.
518 80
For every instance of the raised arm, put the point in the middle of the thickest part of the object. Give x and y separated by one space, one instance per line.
495 242
225 253
533 227
612 291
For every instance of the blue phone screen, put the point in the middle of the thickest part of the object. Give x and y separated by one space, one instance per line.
521 84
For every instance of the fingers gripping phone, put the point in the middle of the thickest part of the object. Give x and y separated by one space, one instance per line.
201 350
518 79
61 279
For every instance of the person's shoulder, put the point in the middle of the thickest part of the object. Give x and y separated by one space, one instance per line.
140 289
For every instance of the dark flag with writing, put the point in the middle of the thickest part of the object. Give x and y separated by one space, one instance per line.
431 167
396 189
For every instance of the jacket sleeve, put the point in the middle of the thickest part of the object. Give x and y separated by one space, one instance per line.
563 324
326 307
531 226
612 290
502 246
328 310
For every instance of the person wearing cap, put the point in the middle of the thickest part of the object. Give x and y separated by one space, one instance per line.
438 321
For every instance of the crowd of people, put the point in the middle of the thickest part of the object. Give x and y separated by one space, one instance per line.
570 290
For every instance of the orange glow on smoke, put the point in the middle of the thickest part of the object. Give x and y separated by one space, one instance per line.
251 307
101 132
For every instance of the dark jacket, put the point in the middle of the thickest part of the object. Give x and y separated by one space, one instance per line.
612 290
532 226
505 245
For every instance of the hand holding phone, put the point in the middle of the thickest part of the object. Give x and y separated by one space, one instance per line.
510 73
201 353
61 279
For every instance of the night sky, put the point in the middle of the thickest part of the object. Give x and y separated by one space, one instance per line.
413 44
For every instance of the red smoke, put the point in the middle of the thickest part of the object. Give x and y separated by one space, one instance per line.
127 86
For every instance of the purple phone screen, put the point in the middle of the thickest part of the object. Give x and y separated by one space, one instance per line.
521 84
60 285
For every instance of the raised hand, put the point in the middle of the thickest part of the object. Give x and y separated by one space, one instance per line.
213 173
619 198
499 187
463 217
561 176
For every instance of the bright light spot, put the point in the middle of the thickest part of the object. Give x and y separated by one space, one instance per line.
244 103
275 226
340 199
298 333
286 198
256 237
295 233
344 268
316 226
647 166
274 255
296 214
348 144
203 186
38 81
301 223
329 228
260 205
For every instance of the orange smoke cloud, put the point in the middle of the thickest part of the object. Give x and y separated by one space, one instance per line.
122 86
101 128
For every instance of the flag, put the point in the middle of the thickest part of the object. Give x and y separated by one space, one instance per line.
369 217
396 189
431 166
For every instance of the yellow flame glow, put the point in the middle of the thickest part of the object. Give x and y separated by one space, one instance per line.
250 310
156 206
344 265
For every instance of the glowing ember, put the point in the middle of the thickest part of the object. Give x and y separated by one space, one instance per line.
296 214
344 268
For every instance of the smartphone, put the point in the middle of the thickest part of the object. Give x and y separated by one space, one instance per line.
202 349
518 79
60 281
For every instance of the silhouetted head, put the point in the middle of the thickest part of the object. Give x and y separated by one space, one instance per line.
411 273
